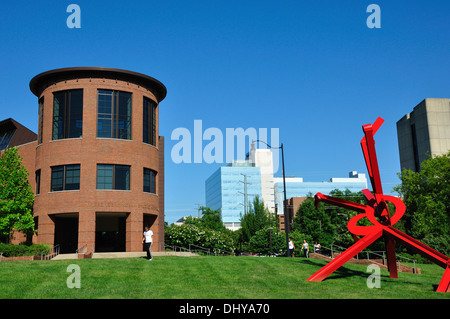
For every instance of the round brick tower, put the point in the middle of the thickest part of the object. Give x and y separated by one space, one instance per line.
99 159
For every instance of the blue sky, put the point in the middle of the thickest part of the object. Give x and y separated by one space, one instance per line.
312 69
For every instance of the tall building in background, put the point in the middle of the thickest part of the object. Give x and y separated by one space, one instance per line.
424 132
231 188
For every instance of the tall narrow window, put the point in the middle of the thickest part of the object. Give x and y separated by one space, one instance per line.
113 177
65 177
149 181
41 119
38 182
67 114
114 114
149 117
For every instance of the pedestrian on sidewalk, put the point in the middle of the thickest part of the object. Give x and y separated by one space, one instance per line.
147 240
305 246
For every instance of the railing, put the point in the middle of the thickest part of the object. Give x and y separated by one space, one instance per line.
82 249
380 254
195 249
199 250
50 253
174 248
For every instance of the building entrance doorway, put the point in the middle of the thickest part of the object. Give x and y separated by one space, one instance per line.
110 232
66 232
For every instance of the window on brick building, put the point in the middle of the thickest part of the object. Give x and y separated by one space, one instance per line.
65 178
41 119
38 182
114 114
111 176
67 114
149 119
149 181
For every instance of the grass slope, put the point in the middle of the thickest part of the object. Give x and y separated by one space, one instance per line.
208 278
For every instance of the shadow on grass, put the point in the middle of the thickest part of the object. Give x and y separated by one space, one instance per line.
341 272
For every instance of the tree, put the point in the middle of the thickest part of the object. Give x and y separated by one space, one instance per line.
266 241
314 222
257 218
426 195
211 219
16 195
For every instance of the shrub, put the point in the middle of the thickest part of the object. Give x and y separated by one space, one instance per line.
11 250
185 235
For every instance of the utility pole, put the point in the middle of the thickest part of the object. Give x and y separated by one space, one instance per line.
245 194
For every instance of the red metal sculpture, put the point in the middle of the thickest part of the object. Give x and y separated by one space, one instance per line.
377 212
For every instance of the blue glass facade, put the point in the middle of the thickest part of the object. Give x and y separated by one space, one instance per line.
225 190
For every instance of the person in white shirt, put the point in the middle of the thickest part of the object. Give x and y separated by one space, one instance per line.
305 246
291 247
147 240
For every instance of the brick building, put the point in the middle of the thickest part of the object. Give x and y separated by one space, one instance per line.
97 162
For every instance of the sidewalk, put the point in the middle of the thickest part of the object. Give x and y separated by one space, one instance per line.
125 255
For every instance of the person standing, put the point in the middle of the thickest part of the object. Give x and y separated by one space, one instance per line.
305 246
147 240
317 248
291 247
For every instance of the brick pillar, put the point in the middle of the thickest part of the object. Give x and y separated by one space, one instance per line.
46 230
134 226
86 229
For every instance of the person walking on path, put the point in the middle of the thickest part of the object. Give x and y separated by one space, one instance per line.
291 248
147 240
305 246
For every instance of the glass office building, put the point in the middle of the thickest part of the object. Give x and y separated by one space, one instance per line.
229 186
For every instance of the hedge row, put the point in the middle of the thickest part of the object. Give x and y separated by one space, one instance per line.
10 250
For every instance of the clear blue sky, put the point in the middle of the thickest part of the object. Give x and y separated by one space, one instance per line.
313 69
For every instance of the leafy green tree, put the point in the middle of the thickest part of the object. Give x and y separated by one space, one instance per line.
426 195
265 239
257 218
211 219
16 195
314 222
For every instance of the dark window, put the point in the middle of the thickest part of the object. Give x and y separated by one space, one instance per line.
114 114
67 114
149 181
38 182
41 119
5 138
65 177
149 116
113 177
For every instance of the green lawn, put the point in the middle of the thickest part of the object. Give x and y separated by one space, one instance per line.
208 278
